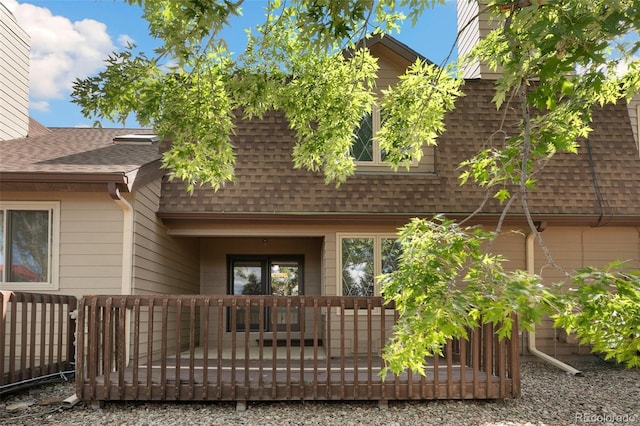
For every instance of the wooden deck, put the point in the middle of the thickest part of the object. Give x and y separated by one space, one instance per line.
186 348
335 380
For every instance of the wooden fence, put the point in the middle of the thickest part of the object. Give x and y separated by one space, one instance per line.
36 336
243 348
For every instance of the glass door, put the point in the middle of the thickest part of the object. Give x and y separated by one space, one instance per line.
247 278
266 275
285 281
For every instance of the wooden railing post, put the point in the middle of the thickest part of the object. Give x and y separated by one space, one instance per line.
306 359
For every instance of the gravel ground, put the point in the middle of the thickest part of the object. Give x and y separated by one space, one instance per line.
605 394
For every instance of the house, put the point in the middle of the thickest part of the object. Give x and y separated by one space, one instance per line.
109 222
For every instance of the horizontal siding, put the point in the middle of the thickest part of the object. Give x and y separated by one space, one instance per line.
162 264
634 116
90 248
14 78
390 66
466 12
479 27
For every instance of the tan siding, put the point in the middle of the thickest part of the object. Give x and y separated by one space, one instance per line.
162 264
634 115
479 27
511 243
390 64
90 243
14 78
573 248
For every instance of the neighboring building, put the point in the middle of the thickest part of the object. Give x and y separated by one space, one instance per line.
14 77
108 222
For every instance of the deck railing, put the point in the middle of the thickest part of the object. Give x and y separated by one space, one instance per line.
36 336
241 348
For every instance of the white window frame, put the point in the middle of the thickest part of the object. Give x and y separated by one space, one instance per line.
377 256
376 164
52 282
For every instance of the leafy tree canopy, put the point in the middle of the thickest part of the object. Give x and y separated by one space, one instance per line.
558 59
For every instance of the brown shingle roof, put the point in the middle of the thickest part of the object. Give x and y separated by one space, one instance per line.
266 183
49 154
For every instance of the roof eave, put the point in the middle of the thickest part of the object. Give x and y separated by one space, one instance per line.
203 218
64 182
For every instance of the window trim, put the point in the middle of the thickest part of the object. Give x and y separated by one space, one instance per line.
377 165
53 282
377 256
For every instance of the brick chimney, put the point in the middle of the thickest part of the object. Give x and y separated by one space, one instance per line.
14 77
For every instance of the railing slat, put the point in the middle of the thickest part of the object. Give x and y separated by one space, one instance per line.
369 346
247 332
288 346
192 347
328 349
301 315
206 312
274 349
178 350
150 335
342 350
234 330
463 368
121 359
43 335
316 337
135 360
475 343
219 369
108 351
300 330
163 349
261 327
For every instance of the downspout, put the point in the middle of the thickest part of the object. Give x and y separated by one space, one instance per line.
530 259
127 256
127 239
127 271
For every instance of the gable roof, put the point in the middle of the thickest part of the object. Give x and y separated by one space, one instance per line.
75 159
392 44
597 186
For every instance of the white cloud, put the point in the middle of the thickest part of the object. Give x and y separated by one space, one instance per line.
61 50
124 40
42 106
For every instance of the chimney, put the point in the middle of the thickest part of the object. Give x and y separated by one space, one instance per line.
472 26
14 77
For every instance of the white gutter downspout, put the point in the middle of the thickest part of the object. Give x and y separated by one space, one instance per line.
127 256
530 259
127 239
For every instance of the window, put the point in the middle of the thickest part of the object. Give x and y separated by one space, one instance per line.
268 275
28 245
362 258
369 156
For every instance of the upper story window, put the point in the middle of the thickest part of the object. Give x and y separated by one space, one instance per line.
364 257
28 245
368 155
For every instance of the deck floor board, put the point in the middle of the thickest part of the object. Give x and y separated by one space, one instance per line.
340 380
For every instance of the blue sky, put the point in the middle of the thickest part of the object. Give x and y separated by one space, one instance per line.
71 38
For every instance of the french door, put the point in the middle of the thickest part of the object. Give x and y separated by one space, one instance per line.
266 275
